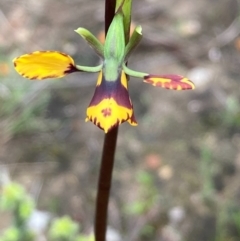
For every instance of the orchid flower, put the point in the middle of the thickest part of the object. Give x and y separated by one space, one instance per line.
111 104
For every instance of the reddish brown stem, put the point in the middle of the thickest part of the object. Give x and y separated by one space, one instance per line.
107 162
104 184
109 13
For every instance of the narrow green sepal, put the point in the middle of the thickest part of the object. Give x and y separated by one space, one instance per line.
133 42
91 40
133 73
89 68
126 8
114 47
119 4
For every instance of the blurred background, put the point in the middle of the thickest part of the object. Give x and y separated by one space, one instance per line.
176 175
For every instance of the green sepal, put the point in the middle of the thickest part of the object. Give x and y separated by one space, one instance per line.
91 40
89 68
114 47
133 42
126 6
119 4
133 73
111 69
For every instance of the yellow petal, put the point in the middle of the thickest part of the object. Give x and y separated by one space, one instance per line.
44 64
108 114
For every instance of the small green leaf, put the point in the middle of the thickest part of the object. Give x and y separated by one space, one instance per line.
136 208
63 229
86 238
26 208
12 194
91 40
145 178
133 42
11 234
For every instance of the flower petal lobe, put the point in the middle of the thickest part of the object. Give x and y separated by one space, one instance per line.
171 81
111 104
44 64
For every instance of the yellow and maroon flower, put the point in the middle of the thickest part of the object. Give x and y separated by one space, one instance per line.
111 104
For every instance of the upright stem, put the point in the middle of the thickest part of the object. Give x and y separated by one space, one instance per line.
104 184
107 162
109 13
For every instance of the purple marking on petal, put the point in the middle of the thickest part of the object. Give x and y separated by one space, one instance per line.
71 68
112 89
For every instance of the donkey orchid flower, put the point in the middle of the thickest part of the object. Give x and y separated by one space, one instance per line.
111 104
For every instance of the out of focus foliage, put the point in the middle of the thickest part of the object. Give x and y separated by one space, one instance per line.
15 200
